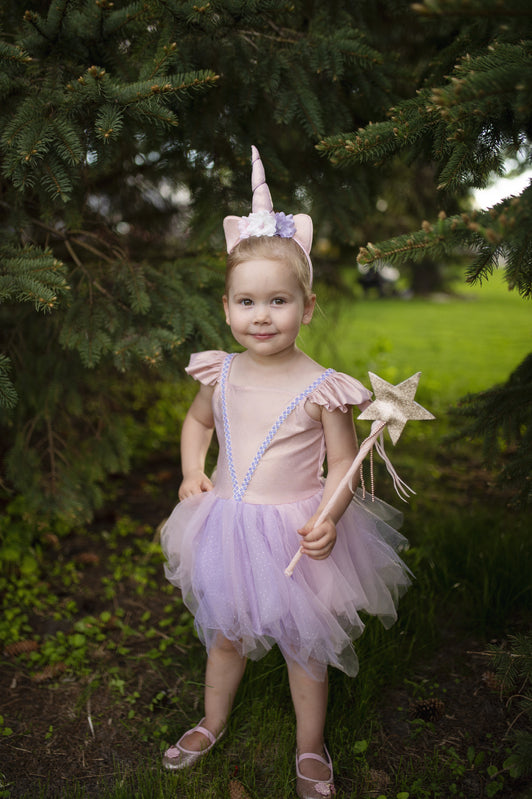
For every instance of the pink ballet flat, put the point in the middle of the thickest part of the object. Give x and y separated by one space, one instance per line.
314 789
177 756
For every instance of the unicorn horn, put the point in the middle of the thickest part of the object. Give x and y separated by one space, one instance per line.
262 199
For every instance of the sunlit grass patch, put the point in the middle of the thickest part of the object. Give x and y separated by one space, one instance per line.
460 343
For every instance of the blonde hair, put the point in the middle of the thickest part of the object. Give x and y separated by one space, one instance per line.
274 248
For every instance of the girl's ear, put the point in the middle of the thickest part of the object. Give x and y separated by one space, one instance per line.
226 308
309 310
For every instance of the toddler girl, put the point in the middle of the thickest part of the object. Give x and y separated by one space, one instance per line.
276 413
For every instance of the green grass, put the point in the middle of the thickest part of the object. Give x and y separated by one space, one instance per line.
460 344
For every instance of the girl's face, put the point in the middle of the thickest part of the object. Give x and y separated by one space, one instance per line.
265 307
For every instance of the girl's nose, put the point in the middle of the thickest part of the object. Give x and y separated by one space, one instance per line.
262 313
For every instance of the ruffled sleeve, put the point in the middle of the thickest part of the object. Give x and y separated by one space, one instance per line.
340 391
206 366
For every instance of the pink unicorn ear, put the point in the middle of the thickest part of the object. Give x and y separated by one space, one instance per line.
304 228
231 231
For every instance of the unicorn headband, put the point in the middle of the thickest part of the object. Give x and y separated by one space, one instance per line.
263 221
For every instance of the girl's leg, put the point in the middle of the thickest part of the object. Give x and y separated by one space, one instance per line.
310 704
225 669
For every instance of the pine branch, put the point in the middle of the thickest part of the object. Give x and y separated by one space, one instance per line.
460 117
109 122
408 122
67 142
29 274
163 60
36 21
114 20
169 84
55 18
491 234
56 178
153 113
484 86
86 330
13 54
8 393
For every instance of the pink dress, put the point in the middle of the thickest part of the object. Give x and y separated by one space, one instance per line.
227 549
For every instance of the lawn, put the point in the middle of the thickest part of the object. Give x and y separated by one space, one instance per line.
460 343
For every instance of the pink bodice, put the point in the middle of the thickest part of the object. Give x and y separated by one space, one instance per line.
268 442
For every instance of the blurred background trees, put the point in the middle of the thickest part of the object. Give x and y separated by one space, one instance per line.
124 139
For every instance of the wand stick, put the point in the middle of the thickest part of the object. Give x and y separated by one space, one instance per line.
376 428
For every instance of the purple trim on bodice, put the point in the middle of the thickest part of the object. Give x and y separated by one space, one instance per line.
240 490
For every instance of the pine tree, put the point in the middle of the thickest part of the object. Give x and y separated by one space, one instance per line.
124 138
77 307
471 110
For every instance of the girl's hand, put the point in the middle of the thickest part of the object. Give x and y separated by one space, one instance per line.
194 483
318 542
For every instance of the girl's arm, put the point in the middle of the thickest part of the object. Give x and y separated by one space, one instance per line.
342 447
196 435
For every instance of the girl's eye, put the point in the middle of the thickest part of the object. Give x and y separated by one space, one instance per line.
279 301
246 302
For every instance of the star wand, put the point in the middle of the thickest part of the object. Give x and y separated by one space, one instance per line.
392 407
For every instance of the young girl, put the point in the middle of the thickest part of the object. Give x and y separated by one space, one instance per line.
277 414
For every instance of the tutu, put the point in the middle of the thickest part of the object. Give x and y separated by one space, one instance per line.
228 555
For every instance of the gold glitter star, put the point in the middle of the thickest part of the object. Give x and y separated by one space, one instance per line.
395 404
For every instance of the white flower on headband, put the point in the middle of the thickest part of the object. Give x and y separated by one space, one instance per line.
264 223
260 223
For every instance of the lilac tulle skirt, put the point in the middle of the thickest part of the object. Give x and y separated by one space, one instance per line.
228 558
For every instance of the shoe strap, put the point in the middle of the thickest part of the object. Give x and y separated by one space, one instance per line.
312 756
178 747
204 731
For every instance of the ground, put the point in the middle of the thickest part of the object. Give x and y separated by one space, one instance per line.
66 733
471 716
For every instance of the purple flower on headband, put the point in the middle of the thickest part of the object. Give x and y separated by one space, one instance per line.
285 227
265 223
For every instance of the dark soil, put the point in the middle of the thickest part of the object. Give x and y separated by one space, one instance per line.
66 731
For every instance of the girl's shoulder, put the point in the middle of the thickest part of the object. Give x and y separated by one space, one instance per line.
206 367
340 391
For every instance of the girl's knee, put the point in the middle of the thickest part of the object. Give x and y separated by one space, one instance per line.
315 672
224 645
